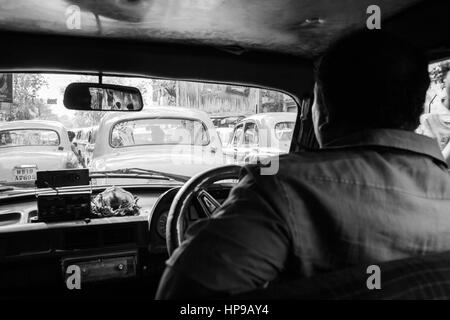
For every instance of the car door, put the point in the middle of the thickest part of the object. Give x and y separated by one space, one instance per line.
250 143
231 151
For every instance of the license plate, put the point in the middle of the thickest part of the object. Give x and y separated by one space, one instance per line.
25 174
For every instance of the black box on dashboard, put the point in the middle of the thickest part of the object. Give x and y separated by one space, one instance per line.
63 206
62 178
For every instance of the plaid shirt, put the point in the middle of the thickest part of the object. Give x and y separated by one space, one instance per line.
375 196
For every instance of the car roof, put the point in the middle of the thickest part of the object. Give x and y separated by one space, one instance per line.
275 116
228 116
270 44
157 111
32 124
84 129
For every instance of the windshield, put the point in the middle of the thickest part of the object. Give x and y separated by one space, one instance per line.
284 130
184 128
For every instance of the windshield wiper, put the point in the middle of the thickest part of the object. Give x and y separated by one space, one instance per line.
4 188
138 173
12 186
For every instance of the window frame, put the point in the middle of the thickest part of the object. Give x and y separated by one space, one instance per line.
32 145
257 135
205 128
239 144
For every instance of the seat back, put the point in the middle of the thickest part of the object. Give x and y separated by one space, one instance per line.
424 277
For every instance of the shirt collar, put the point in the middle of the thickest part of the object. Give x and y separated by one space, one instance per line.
391 138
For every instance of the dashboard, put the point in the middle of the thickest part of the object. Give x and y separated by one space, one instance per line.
124 251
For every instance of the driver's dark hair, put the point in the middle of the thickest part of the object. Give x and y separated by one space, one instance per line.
373 80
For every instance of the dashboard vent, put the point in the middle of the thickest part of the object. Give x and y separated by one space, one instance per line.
9 218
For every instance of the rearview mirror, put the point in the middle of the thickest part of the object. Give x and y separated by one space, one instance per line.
102 97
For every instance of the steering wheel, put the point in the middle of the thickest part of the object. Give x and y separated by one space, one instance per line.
195 190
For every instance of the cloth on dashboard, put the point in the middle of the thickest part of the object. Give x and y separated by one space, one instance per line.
375 196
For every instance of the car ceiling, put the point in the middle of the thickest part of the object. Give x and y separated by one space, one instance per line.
267 43
298 27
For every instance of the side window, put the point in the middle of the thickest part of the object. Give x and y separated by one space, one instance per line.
237 136
251 135
435 121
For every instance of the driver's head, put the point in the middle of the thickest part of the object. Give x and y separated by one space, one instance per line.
369 80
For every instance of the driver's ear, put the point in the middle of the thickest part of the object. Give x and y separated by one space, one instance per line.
320 116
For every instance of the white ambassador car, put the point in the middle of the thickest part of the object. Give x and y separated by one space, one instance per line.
259 136
30 145
173 140
84 140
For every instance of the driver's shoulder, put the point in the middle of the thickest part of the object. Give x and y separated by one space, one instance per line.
298 166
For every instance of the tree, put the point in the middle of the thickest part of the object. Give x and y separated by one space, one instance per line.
272 101
439 72
26 103
165 90
66 121
87 118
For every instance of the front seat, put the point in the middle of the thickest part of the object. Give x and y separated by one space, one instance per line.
424 277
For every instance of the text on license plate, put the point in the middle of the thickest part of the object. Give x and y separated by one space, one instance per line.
24 174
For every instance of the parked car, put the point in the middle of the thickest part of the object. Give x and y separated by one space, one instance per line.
85 142
168 139
90 146
31 145
226 121
260 135
224 135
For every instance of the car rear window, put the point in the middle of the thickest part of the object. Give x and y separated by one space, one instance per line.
284 130
159 131
28 137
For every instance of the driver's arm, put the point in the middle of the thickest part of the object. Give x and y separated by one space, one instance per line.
243 247
177 286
